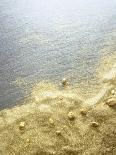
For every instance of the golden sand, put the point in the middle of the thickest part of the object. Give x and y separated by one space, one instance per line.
60 122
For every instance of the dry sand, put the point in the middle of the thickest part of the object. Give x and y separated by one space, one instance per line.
58 122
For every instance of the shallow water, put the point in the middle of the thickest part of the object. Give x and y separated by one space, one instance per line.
51 39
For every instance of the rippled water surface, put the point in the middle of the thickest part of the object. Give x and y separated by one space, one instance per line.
50 39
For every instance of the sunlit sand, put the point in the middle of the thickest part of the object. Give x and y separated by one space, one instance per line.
58 122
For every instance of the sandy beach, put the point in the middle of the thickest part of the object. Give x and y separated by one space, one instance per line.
58 122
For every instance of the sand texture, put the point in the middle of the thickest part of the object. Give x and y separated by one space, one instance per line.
57 122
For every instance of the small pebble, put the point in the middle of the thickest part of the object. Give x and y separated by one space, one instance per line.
22 125
51 121
28 140
83 112
60 98
111 102
58 132
64 82
113 92
71 116
94 124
